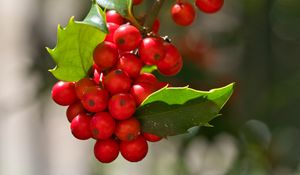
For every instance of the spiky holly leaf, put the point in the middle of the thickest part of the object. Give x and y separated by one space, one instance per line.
172 111
76 42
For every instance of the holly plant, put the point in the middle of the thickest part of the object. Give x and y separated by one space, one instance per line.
104 66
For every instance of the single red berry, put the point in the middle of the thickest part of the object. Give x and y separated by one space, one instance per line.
73 110
131 64
102 125
137 2
135 150
141 91
106 55
122 106
95 99
146 78
172 63
82 85
151 137
209 6
183 13
80 126
63 93
127 130
163 84
117 81
114 17
156 26
151 50
127 37
107 150
112 27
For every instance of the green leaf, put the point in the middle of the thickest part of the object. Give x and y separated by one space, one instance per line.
76 42
172 111
121 6
148 69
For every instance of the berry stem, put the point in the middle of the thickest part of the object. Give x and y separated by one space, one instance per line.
152 14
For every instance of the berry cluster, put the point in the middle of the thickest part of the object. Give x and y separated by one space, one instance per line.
183 12
102 106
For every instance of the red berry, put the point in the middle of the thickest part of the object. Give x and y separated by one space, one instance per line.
183 13
127 37
151 50
141 91
127 130
172 63
156 26
95 99
112 27
82 85
106 151
117 81
146 78
63 93
73 110
102 125
122 106
209 6
80 126
114 17
131 64
151 137
106 55
135 150
137 2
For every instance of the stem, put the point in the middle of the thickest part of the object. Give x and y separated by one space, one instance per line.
152 14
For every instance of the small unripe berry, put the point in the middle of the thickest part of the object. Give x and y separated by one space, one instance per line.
82 85
209 6
63 93
151 137
151 50
117 81
95 99
131 64
128 130
112 27
122 106
114 17
106 151
106 55
183 13
102 125
80 126
135 150
127 37
73 110
172 62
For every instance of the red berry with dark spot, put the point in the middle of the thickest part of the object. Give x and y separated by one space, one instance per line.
122 106
141 91
63 93
112 27
114 17
128 130
131 64
127 37
151 137
135 150
106 55
209 6
82 85
73 110
151 50
95 99
80 126
102 125
137 2
183 13
117 81
172 63
106 151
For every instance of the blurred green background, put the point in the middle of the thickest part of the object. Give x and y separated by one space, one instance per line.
255 43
